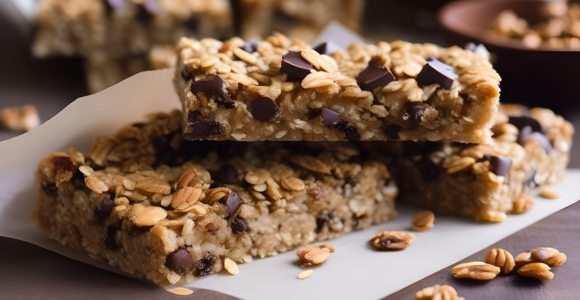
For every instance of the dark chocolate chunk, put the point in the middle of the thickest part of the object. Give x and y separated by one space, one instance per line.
500 166
110 240
295 66
522 121
428 169
374 76
320 222
116 4
49 188
283 19
103 211
543 141
524 135
238 226
329 117
201 127
151 6
179 261
349 130
233 202
143 15
264 109
327 48
531 181
228 174
436 72
414 113
205 265
250 46
78 180
186 74
192 23
213 85
392 131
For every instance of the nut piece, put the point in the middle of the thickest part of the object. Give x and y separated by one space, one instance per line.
23 118
549 194
95 184
392 240
154 185
230 266
536 270
181 291
550 256
475 270
315 254
522 205
150 216
185 198
439 292
501 258
293 184
305 274
423 221
214 195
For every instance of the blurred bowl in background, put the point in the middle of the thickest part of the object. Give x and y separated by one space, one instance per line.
535 77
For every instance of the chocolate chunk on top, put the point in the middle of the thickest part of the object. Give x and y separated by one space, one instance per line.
500 166
179 261
528 133
522 121
329 117
327 48
250 46
374 76
264 109
436 72
213 85
295 66
232 202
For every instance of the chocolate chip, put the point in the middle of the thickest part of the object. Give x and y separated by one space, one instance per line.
320 222
327 48
143 15
295 66
349 130
531 181
428 169
238 226
213 85
211 227
543 141
374 76
103 211
263 109
228 174
201 127
186 74
233 202
414 113
110 240
78 180
526 134
205 265
192 23
523 121
179 261
436 72
500 166
329 117
250 46
49 188
392 131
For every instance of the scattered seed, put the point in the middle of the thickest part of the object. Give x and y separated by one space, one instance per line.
549 194
305 274
231 266
88 171
181 291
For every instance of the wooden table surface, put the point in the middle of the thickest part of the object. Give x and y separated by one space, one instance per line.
51 84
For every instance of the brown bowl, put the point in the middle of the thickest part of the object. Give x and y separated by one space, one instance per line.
535 77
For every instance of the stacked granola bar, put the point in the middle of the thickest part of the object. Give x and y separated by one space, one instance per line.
171 198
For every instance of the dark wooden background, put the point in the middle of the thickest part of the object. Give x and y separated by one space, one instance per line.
30 272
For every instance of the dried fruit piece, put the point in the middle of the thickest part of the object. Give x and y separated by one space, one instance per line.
475 270
536 270
392 240
315 254
550 256
231 266
423 221
501 258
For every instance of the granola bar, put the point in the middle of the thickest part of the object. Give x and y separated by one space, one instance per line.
485 182
124 27
298 19
281 90
172 211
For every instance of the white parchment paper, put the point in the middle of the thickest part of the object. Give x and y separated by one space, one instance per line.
354 272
